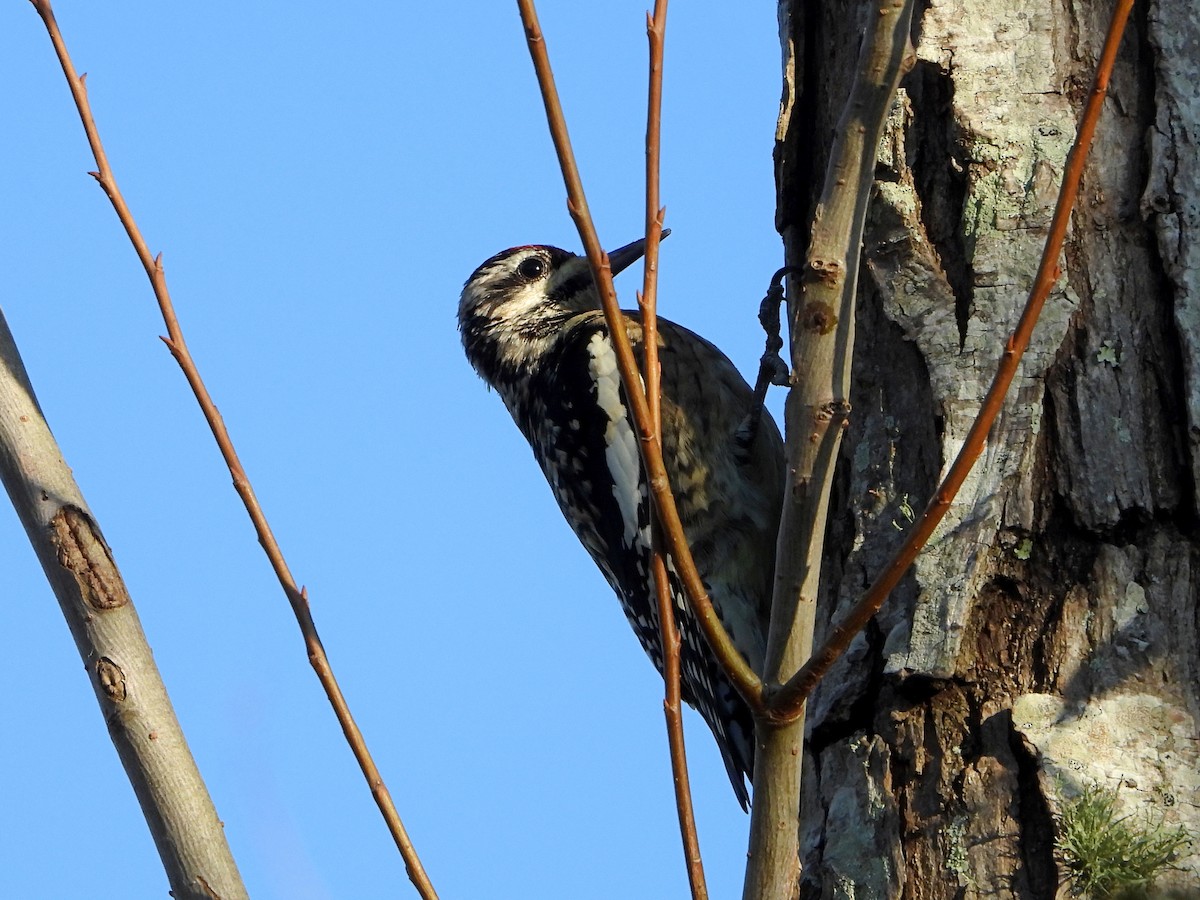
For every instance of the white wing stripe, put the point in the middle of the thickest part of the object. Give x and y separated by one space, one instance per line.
620 443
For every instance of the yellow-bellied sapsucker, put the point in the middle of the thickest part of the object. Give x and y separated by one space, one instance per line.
532 327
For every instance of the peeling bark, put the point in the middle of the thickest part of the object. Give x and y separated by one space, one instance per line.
1048 637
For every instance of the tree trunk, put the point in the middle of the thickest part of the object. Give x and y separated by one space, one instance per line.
1047 639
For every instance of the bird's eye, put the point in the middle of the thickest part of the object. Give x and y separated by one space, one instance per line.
532 269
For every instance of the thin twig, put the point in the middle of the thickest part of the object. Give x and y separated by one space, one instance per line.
656 25
175 342
789 699
744 678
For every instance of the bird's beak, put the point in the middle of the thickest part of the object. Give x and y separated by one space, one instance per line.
623 257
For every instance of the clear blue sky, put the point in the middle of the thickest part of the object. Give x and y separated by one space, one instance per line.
321 179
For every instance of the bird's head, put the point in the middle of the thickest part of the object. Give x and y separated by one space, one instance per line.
514 305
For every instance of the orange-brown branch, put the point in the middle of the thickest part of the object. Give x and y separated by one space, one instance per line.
741 675
672 702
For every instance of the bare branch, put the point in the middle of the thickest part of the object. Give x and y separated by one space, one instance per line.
178 346
672 703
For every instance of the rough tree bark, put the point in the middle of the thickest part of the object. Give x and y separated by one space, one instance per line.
1048 638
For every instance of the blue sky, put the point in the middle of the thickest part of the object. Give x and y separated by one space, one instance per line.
321 179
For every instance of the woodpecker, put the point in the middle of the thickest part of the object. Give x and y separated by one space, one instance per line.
532 327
